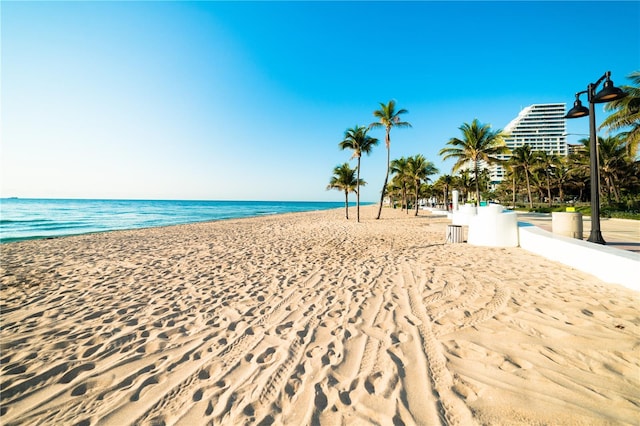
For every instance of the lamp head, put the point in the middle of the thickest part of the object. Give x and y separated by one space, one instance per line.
608 93
578 110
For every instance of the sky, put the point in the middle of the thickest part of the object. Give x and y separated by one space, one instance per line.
249 100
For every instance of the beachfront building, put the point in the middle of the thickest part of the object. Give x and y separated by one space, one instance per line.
576 148
542 127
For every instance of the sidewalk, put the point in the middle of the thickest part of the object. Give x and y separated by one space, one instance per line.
622 234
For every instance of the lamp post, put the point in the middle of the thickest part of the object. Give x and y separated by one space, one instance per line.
608 93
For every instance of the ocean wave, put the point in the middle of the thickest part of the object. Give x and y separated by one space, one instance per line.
24 219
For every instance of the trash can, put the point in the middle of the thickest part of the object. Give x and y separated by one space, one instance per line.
568 224
454 234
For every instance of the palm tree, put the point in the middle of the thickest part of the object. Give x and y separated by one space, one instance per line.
388 118
357 140
419 169
562 176
626 114
579 172
524 159
465 182
394 190
478 144
446 181
400 170
344 179
613 161
512 173
546 163
484 180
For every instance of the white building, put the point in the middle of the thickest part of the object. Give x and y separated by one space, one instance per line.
542 127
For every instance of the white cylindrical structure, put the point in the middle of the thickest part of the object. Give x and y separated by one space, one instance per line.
454 195
493 227
464 214
568 224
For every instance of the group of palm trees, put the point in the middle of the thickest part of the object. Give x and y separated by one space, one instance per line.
548 176
356 139
544 176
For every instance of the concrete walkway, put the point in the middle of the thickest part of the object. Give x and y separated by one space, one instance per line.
623 234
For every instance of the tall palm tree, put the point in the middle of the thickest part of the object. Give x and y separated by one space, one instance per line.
579 172
357 140
465 182
613 161
394 190
446 181
545 164
524 159
626 114
400 170
512 173
419 169
483 181
478 144
562 176
388 117
344 179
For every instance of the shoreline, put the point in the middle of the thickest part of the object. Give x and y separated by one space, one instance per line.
300 318
35 219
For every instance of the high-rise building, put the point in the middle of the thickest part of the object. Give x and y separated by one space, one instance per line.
542 127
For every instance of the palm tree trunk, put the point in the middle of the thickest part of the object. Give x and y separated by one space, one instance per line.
616 193
514 191
358 193
386 177
405 198
446 197
384 187
346 203
475 171
417 189
526 175
549 190
405 205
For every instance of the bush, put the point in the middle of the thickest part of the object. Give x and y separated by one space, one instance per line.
626 215
618 214
542 210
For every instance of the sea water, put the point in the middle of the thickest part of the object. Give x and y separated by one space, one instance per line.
22 219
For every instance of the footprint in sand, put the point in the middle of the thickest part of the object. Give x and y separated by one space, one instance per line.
73 373
266 356
15 369
91 350
320 399
281 328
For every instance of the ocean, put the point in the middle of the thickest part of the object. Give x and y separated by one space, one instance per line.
24 219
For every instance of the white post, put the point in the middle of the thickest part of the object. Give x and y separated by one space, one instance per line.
454 195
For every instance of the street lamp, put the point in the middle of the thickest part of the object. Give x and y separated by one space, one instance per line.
608 93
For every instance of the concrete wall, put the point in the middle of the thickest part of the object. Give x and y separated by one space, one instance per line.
608 264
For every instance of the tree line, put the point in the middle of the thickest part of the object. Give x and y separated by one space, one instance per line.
530 175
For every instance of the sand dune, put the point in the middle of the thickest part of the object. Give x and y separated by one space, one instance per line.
309 319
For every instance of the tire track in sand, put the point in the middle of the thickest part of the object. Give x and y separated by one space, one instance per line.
453 410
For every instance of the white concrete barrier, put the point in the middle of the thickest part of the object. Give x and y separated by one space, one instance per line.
436 211
608 264
493 227
464 214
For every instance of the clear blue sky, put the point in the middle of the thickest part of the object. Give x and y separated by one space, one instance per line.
244 100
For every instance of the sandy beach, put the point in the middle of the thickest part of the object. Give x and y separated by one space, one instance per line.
308 318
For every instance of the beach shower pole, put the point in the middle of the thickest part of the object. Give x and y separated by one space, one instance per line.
608 93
